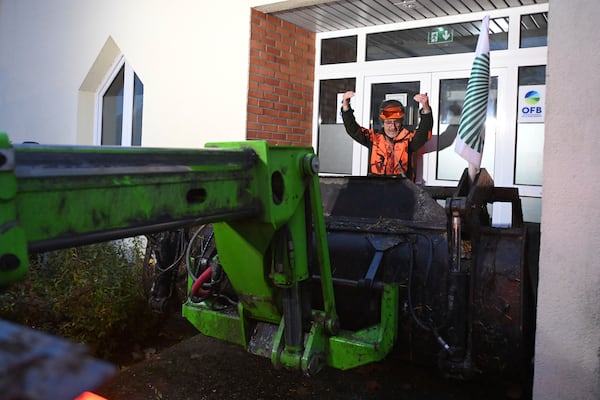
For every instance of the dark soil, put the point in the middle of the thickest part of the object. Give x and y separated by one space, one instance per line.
183 364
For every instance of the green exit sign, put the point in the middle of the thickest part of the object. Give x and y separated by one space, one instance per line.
440 35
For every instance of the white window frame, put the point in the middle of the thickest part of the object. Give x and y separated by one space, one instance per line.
503 62
128 97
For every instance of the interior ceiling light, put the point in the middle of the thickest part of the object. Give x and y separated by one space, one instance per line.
406 3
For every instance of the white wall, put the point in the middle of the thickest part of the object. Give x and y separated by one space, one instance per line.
568 327
192 57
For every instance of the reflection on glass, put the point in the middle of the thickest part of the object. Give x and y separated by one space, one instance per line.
338 50
138 105
534 30
530 149
335 149
532 209
112 111
334 145
450 165
402 91
414 43
530 136
329 91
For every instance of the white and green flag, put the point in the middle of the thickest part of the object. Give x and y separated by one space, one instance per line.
471 128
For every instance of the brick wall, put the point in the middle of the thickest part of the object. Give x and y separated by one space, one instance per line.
281 79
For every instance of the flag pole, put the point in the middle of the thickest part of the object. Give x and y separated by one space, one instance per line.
472 170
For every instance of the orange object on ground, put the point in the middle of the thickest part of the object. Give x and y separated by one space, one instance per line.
89 396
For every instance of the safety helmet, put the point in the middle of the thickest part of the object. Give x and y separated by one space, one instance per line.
391 109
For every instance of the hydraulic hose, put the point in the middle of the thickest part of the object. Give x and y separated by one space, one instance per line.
414 316
197 285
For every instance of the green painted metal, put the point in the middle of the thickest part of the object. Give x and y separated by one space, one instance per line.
331 319
245 247
315 350
225 325
282 355
351 349
14 262
255 195
79 197
54 197
246 253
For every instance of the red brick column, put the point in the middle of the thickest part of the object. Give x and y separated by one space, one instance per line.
281 81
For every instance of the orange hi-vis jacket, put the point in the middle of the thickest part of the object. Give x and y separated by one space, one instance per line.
390 156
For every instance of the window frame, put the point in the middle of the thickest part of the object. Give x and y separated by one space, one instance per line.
128 98
504 62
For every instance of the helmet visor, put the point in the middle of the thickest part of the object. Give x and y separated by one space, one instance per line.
391 113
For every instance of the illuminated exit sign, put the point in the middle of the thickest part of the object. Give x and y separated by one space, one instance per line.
440 35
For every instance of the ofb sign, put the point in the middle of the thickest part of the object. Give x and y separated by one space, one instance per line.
532 99
440 35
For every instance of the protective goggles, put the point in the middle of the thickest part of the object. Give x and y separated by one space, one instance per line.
391 113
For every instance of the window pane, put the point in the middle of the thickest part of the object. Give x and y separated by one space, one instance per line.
534 30
138 104
532 209
335 146
414 42
530 135
450 165
338 50
329 106
112 111
402 91
532 75
529 154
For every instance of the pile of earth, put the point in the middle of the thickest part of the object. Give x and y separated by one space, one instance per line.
183 364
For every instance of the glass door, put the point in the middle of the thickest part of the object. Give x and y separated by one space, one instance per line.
380 88
441 165
437 163
450 166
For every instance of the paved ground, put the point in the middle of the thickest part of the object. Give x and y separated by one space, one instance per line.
201 368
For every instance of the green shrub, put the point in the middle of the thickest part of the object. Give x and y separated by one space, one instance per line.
89 294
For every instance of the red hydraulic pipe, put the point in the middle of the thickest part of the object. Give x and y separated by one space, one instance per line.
197 285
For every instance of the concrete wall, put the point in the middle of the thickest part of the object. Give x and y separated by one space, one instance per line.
192 57
568 324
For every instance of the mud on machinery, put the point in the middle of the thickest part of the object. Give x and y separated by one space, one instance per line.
305 270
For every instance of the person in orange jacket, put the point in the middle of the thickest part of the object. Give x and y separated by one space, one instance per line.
391 149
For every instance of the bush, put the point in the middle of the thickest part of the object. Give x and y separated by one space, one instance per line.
89 294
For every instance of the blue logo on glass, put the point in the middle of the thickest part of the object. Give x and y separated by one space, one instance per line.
532 97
